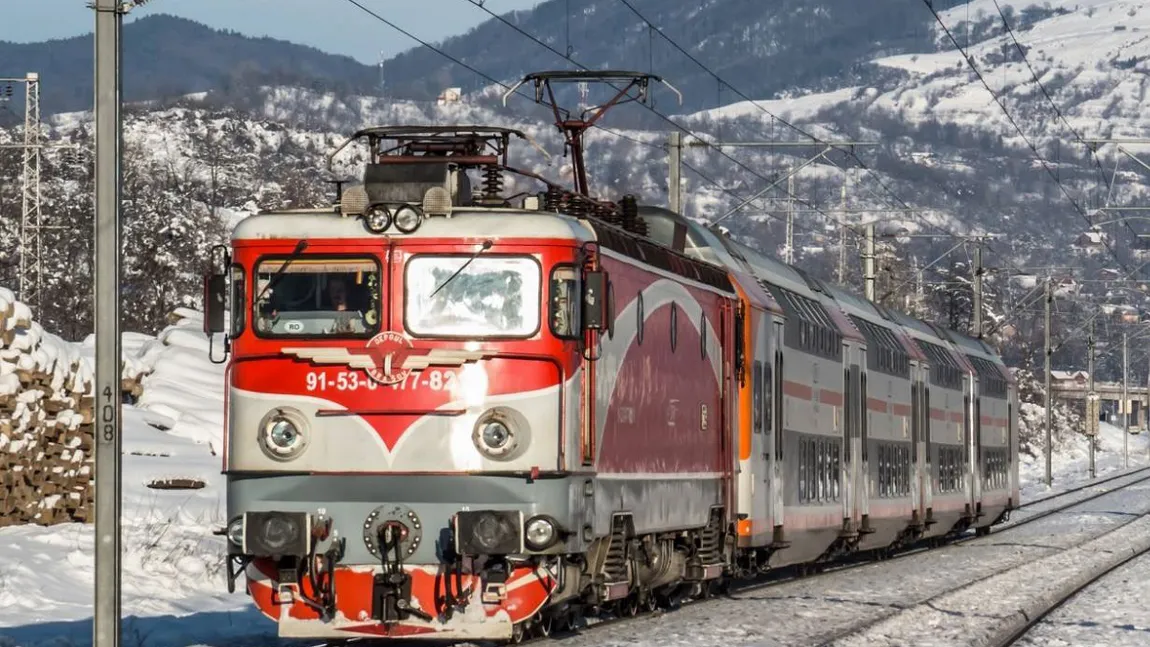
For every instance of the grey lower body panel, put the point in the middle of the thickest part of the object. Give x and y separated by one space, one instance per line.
655 504
349 501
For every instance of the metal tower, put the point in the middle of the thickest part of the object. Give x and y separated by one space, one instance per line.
31 248
31 251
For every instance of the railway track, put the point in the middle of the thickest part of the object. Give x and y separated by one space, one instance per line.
1083 612
1031 512
1026 514
1034 617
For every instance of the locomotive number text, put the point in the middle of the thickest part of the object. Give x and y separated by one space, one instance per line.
353 381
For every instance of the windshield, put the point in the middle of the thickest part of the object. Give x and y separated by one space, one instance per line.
494 296
318 297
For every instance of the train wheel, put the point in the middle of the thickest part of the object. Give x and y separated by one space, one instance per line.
545 625
517 633
650 603
630 605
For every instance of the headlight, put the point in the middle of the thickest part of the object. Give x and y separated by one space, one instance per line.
377 218
283 434
489 532
277 534
280 532
496 435
540 533
500 433
407 219
236 531
494 438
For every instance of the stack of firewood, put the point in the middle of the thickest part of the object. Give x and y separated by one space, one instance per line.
46 422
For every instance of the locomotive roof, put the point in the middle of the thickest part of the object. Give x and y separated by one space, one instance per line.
464 223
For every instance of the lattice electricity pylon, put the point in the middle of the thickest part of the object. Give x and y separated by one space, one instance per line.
32 225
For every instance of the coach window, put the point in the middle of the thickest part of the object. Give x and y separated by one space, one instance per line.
316 297
674 325
564 302
238 303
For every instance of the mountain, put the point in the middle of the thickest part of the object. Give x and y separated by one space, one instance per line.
166 57
762 48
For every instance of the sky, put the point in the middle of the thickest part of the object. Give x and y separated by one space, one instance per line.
334 26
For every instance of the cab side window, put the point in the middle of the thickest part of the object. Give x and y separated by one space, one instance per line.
237 301
564 302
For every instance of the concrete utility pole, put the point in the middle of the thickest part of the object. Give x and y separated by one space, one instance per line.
842 273
790 250
868 264
919 291
106 619
675 172
1091 399
1048 399
978 289
1125 405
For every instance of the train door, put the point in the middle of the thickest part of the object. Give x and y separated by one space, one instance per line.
976 449
927 475
759 460
848 426
778 422
855 413
915 436
863 486
967 440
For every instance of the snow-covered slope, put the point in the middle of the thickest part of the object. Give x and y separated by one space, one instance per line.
173 574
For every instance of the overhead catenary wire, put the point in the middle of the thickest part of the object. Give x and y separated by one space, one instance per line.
1057 111
725 83
1014 123
862 164
567 57
494 81
705 177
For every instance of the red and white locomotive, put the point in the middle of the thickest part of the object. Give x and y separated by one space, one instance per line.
456 414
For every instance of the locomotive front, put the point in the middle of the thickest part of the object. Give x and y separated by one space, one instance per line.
403 409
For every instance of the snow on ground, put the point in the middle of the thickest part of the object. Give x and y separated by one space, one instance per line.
1070 462
1112 612
173 577
172 564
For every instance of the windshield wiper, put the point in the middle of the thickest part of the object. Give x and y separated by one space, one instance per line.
486 246
299 248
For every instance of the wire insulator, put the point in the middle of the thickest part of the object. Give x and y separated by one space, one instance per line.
553 199
492 182
629 212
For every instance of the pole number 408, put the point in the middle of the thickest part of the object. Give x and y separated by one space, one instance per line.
108 416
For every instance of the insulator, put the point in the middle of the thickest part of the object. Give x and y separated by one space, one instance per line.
492 182
610 214
553 199
577 208
629 212
639 226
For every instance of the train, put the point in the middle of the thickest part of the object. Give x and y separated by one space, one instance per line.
455 414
